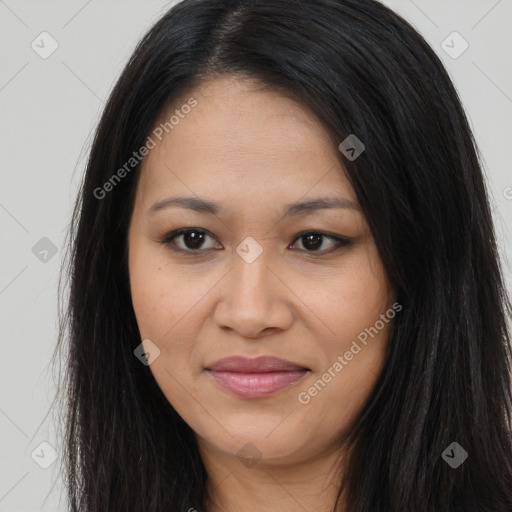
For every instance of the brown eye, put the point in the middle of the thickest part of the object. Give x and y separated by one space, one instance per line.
188 240
195 241
317 241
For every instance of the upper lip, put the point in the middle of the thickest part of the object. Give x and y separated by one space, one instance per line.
262 364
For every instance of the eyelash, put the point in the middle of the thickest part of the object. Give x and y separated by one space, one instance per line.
170 237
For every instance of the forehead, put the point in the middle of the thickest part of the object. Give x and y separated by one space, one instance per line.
239 137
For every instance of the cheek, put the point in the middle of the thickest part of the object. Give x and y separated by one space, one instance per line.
164 316
161 312
351 305
152 301
162 295
349 299
168 301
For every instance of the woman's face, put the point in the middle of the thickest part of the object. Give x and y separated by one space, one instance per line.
247 281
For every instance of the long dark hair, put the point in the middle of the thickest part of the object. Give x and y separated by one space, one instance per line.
447 376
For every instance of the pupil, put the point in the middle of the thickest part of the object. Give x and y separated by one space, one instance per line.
314 241
193 239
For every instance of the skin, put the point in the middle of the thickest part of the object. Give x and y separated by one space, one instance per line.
254 152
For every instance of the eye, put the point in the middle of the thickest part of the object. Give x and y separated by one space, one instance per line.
188 240
192 240
313 241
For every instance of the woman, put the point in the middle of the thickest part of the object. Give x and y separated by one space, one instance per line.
285 288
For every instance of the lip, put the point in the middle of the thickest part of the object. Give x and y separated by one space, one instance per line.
262 364
257 377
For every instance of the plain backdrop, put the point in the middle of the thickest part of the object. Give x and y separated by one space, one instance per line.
49 108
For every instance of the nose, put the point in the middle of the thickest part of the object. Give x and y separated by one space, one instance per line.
254 300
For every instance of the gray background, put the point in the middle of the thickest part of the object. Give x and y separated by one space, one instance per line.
48 110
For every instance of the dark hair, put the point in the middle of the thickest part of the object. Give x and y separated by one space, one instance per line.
361 70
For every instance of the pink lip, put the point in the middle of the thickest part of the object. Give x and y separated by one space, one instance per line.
255 378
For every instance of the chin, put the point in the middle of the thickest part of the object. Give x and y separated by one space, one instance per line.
265 441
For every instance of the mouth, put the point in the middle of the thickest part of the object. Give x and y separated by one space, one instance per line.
255 378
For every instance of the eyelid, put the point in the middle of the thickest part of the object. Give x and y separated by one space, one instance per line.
177 232
340 240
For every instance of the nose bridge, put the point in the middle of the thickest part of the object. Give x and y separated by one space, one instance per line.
251 282
252 298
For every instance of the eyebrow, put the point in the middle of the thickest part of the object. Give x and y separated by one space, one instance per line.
299 208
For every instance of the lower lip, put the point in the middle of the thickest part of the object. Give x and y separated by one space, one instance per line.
256 385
